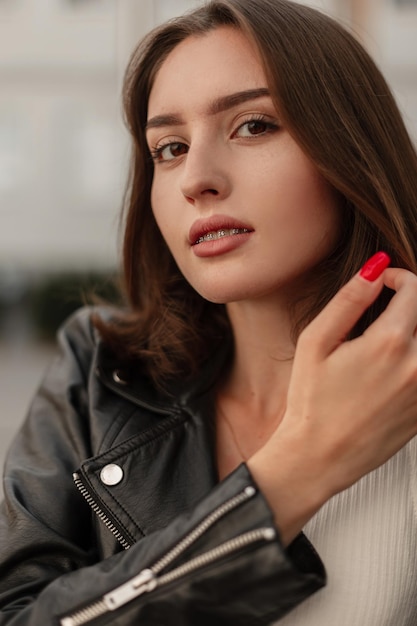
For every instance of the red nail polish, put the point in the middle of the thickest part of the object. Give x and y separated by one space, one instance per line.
375 266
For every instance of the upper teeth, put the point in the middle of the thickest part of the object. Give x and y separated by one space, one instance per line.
221 233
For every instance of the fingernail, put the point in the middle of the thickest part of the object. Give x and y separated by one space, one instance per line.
375 266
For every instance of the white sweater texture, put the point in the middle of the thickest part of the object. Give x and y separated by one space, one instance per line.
367 538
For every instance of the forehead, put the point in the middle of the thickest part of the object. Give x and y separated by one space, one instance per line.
204 67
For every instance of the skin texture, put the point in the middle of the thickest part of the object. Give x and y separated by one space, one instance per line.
310 419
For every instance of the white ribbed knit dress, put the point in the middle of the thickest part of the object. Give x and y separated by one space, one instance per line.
367 538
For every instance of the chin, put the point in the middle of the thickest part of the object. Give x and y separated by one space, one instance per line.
225 295
215 298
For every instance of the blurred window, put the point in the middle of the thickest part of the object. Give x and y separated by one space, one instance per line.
12 150
166 9
80 3
81 7
91 154
405 3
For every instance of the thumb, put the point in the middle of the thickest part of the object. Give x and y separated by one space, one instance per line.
331 326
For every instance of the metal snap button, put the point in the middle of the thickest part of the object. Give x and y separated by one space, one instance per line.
117 377
111 474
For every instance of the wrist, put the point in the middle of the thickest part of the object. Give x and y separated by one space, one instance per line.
290 489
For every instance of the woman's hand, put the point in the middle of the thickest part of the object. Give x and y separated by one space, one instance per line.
351 405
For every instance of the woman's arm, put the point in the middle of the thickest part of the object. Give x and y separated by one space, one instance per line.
351 404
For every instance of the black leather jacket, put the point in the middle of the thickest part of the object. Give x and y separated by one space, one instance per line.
150 536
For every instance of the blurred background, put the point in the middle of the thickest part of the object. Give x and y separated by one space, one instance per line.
64 156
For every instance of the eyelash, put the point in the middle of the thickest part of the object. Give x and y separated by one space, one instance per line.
157 151
270 126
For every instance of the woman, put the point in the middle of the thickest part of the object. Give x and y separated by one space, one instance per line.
263 379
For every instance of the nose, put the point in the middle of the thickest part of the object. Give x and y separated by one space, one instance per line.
205 176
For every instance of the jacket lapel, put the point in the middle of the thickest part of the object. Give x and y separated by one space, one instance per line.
158 478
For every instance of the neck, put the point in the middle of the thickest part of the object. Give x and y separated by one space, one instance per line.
252 399
263 357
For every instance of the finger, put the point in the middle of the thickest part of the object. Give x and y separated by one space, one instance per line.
401 313
332 325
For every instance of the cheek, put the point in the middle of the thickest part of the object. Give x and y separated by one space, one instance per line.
320 203
159 207
155 199
165 217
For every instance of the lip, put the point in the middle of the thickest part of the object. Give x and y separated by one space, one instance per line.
215 223
219 245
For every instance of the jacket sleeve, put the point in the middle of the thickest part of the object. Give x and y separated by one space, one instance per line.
221 562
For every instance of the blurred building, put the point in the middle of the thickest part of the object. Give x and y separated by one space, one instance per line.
63 150
63 153
388 28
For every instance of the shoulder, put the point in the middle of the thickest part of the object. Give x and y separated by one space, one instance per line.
80 327
78 336
77 347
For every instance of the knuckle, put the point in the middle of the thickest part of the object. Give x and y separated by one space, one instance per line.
309 340
351 298
395 341
410 283
412 371
406 280
307 337
412 279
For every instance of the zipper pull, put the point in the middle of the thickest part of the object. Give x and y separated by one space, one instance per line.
144 582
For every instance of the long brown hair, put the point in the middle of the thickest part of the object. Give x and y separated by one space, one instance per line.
338 107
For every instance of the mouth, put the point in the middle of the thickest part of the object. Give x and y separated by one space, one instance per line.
216 227
229 232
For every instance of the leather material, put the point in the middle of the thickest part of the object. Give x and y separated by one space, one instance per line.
57 555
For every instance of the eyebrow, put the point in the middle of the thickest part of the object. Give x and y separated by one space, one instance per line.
217 106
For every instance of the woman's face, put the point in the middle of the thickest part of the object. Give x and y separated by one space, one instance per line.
243 210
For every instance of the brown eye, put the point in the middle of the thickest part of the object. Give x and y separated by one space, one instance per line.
170 151
254 127
177 149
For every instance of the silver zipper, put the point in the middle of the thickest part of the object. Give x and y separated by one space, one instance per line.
203 526
100 513
148 579
224 549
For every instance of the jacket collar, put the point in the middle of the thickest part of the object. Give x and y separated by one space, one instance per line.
160 458
136 387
